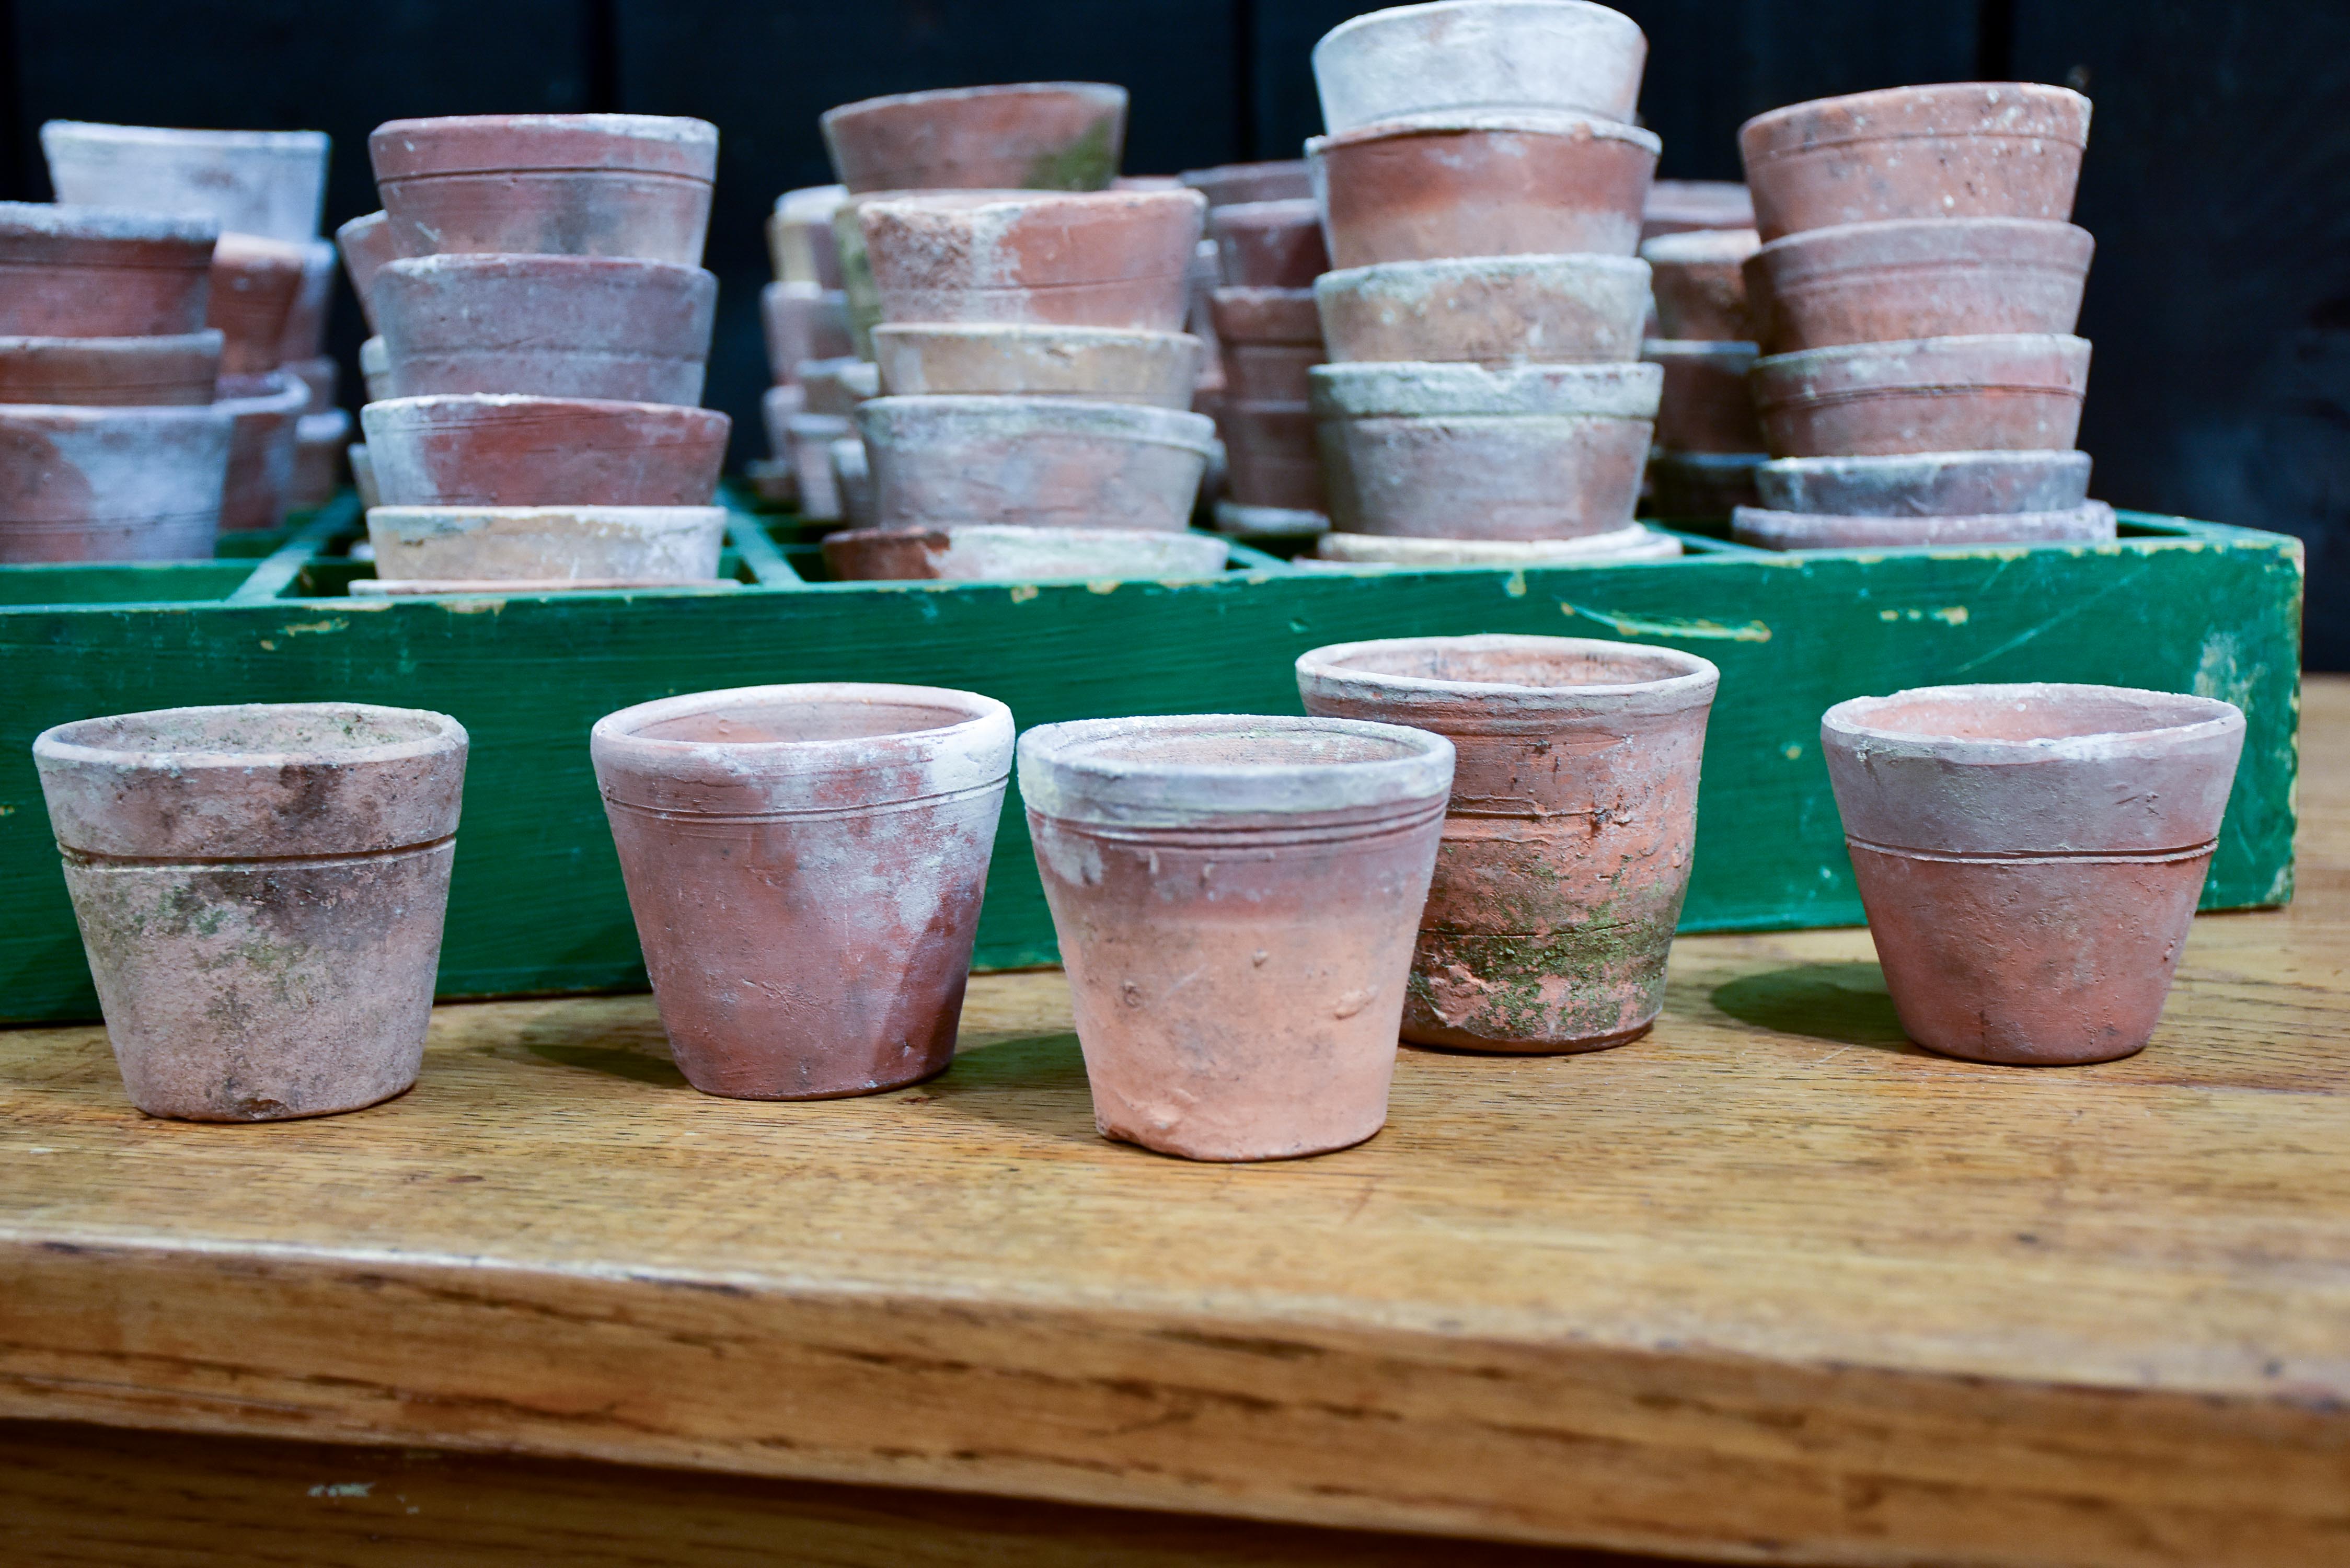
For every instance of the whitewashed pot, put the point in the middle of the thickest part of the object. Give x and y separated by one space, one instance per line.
639 543
1480 56
111 484
1635 543
1102 364
1926 485
2090 522
265 431
272 183
1487 310
1035 462
799 236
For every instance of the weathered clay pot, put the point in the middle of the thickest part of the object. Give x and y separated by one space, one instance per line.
808 439
1050 462
1229 184
305 336
995 553
2012 392
1959 150
1706 405
611 327
362 475
375 370
1631 544
1926 277
260 891
320 438
366 245
838 385
1105 364
1274 458
1259 373
490 449
110 372
110 484
805 865
94 272
266 428
1284 316
1539 451
1701 484
270 184
1487 310
1029 136
550 184
802 321
2030 856
1572 825
1839 531
1480 56
1481 186
800 244
1095 258
255 283
1269 245
1927 484
852 480
1236 899
1701 285
1675 206
321 377
522 543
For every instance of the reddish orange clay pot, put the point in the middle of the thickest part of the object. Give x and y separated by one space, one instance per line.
1269 245
110 484
1706 405
266 428
805 865
366 247
1839 531
260 891
1701 283
1046 462
1271 337
254 287
1676 206
110 372
1487 310
1094 258
1573 824
1927 484
1926 277
2007 392
1236 899
484 450
1027 136
95 272
1229 184
2030 856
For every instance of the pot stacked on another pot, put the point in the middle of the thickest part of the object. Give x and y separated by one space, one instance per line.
1708 442
1228 185
544 327
1921 384
1268 334
1483 192
805 316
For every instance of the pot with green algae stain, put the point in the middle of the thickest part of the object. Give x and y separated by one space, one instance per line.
1037 136
1568 840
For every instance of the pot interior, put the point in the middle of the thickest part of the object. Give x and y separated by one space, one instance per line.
1521 665
262 729
2030 713
1242 746
786 721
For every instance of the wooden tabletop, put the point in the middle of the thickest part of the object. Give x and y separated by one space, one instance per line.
1770 1284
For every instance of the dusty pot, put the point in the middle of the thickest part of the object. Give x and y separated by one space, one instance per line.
1629 544
304 336
1273 459
1675 206
2030 856
805 865
1487 310
1105 364
260 891
319 439
110 484
525 544
1054 462
1269 339
801 321
1539 451
375 370
1701 283
1283 315
1574 820
110 372
1236 899
838 385
800 246
1959 150
1701 484
808 440
609 328
1269 245
253 285
1028 136
548 184
488 449
2009 392
319 376
852 480
1480 56
2092 520
1229 184
366 247
93 272
1095 258
1927 484
265 431
1707 405
994 553
1481 186
270 184
1926 277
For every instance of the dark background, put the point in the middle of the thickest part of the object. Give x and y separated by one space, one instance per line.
2217 182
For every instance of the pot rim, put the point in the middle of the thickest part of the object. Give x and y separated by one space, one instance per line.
1745 520
2191 719
416 412
1375 388
283 142
1705 247
1660 350
1032 331
1075 416
1059 780
1986 457
978 744
679 128
648 517
76 220
2012 242
291 395
957 203
497 264
159 345
1788 131
221 412
1340 280
1471 123
1108 94
59 744
1987 359
1327 667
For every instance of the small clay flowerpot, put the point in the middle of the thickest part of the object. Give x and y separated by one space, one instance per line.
548 184
110 372
1926 485
1573 826
1096 258
1229 184
2092 520
1706 405
609 328
1926 277
1701 283
1480 56
1481 186
994 553
800 244
1959 150
265 433
487 450
1701 484
802 321
1273 459
1031 136
2030 856
1269 245
93 272
375 370
1629 544
2011 393
304 334
366 247
1236 899
1487 310
1053 462
110 484
268 183
808 439
805 865
320 438
254 286
1675 206
1285 315
260 890
524 544
1104 364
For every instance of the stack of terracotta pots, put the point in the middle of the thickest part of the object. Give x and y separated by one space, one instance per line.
1709 441
1269 335
1923 384
1482 190
544 327
804 315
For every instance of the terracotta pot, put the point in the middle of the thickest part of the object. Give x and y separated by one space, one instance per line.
800 244
362 475
1281 525
808 440
525 544
1269 245
984 552
1927 484
319 378
802 321
1701 283
110 372
805 865
110 484
1676 205
1229 184
1701 484
2009 392
852 479
260 891
609 327
1034 136
269 184
1265 315
305 336
1275 457
319 439
857 288
1235 900
1482 187
1572 825
838 385
375 370
1634 542
2030 856
548 184
253 285
486 449
366 247
1959 150
1480 56
1707 405
1487 310
1055 463
1105 364
776 406
1928 277
2091 520
266 427
90 272
1269 372
1099 258
1540 451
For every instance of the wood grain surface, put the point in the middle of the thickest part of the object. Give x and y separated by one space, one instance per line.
1769 1285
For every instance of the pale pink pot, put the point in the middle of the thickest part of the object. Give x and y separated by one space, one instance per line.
802 321
1273 457
1269 245
1470 57
110 372
800 244
1927 484
255 283
319 440
95 272
265 433
110 484
1926 277
305 336
2089 522
2014 391
1706 404
1103 364
366 244
270 184
1096 258
1229 184
1487 310
1034 462
983 552
1676 206
486 449
320 377
1701 283
1036 136
537 544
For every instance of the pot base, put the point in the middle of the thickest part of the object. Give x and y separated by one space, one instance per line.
1463 1043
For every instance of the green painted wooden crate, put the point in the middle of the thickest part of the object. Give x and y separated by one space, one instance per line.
537 904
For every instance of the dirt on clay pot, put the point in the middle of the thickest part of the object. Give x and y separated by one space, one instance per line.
1039 462
1487 310
111 483
1037 136
94 272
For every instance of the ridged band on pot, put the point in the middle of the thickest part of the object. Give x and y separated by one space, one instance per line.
265 426
803 321
2090 521
2008 391
1053 462
1926 277
1958 149
1480 56
253 285
1632 543
799 235
1034 136
1236 899
110 372
1004 554
1487 310
805 865
635 544
1571 828
272 183
1707 404
1481 186
2031 855
1273 457
1676 206
101 272
612 327
1701 484
486 449
1701 283
111 483
366 247
1229 184
1927 484
548 184
1091 258
260 891
1269 245
1104 364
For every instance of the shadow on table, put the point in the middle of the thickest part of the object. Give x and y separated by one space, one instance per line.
1034 1083
1844 1002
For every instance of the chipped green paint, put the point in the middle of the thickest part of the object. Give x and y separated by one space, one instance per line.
1701 630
